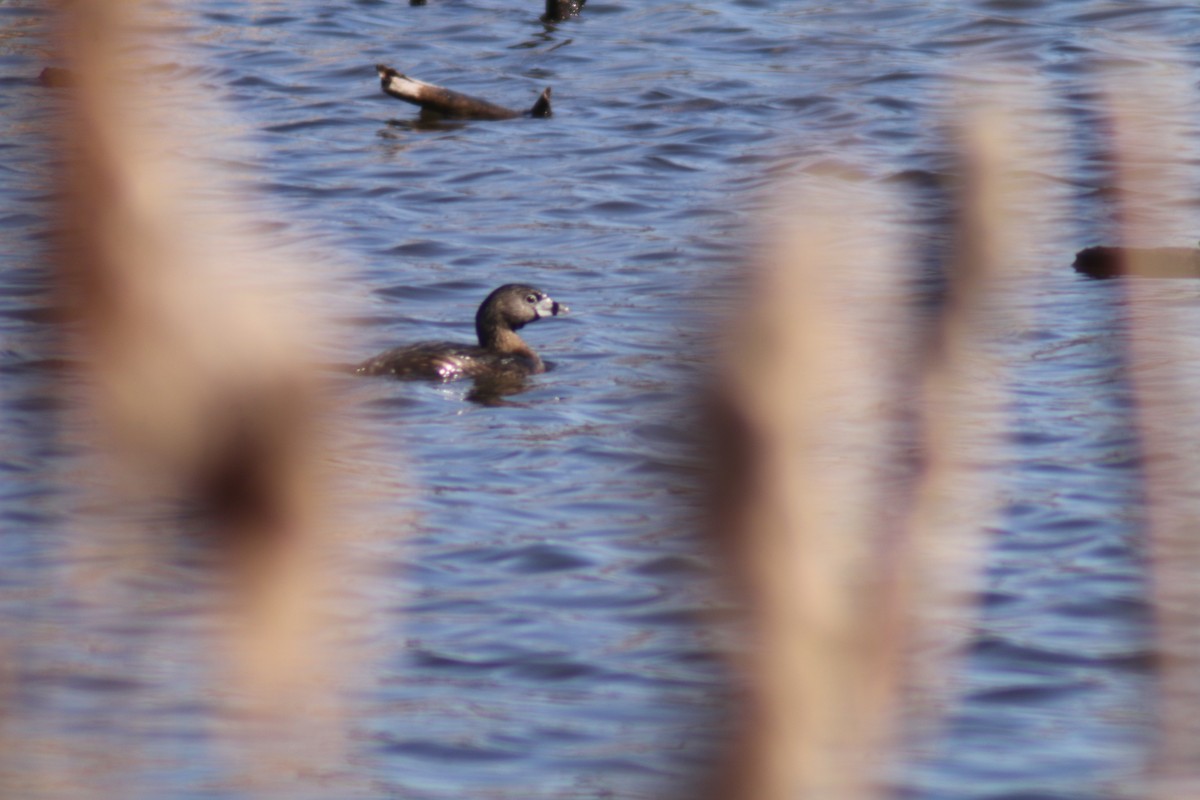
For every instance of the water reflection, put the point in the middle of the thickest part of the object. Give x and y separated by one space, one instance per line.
424 121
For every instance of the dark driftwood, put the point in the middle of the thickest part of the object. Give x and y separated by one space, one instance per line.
558 10
1147 262
448 103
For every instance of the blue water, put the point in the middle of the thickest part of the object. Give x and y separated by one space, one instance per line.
546 619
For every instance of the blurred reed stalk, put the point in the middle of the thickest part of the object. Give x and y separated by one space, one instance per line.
800 511
1153 119
198 378
1001 219
855 556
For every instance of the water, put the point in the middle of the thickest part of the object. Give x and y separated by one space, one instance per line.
541 595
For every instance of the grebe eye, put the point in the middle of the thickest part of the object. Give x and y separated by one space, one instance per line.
531 298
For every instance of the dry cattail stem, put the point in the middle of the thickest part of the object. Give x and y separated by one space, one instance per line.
198 375
800 503
852 572
1152 123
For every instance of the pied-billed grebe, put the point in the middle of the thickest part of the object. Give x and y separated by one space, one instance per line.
448 103
500 352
